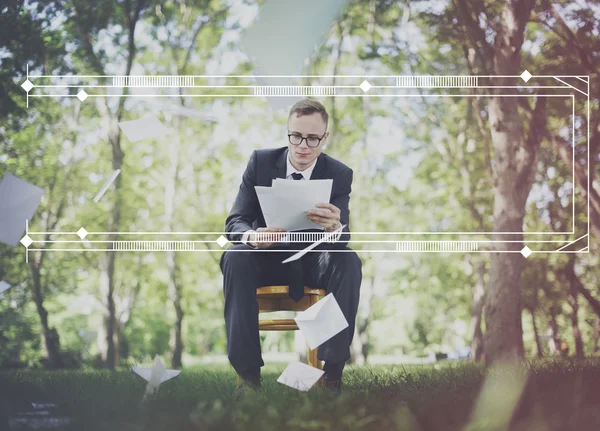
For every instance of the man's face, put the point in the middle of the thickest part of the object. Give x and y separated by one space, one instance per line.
307 126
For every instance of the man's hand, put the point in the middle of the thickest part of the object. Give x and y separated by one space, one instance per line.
328 217
272 235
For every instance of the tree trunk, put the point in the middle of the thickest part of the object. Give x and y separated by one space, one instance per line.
515 160
360 342
554 343
108 344
50 338
593 302
175 295
596 336
536 334
107 336
576 287
579 350
173 288
477 304
574 303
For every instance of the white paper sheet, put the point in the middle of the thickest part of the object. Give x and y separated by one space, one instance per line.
18 202
300 376
267 204
287 203
321 321
275 49
106 185
4 286
326 237
145 128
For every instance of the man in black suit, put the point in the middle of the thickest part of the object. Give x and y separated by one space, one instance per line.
245 265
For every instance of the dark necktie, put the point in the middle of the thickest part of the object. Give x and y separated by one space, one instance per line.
296 268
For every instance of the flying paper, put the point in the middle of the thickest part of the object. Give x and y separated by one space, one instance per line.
155 376
302 252
18 202
300 376
4 286
145 128
106 185
87 336
275 48
321 321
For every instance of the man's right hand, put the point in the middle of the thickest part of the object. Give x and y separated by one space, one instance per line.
272 235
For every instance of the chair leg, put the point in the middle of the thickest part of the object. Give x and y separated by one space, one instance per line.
313 359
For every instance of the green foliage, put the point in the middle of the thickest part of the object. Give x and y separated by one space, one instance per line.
419 165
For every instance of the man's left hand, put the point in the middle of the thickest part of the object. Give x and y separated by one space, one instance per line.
328 216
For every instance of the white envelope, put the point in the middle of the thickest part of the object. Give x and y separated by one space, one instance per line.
145 128
4 286
18 202
321 321
300 376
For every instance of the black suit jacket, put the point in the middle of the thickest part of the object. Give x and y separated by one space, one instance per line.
266 165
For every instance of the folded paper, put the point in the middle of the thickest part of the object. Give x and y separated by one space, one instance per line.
4 286
18 202
145 128
300 376
321 321
155 376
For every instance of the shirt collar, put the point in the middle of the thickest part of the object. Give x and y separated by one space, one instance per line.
306 173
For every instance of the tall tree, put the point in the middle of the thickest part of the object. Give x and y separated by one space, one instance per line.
85 23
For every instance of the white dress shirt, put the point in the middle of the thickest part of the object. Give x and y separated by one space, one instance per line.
306 174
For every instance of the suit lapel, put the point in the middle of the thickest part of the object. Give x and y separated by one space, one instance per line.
318 172
280 168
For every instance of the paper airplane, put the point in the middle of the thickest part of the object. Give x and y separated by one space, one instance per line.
326 237
18 202
155 376
321 321
145 128
300 376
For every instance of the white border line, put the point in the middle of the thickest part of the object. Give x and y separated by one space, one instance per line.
579 77
569 85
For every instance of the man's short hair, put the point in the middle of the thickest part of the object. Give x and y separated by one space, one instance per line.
308 107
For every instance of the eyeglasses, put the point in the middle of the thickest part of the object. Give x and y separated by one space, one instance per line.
311 141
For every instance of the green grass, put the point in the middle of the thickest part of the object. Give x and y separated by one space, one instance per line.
555 396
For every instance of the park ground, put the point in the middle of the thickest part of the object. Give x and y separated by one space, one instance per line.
461 396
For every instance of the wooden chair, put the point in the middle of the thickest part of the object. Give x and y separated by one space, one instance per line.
276 298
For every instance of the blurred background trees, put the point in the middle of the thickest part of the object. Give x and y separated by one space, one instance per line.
420 165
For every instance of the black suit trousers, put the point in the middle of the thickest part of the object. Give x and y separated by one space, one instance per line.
245 269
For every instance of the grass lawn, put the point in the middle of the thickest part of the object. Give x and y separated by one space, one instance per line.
548 396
